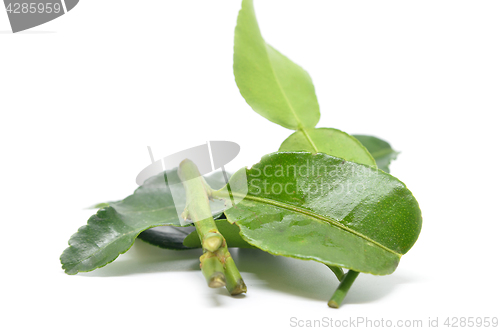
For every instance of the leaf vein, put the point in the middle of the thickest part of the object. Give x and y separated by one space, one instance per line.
315 216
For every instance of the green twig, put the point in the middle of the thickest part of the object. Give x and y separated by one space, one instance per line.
234 282
212 269
343 288
198 207
216 263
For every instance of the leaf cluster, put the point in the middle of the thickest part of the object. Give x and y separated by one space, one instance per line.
345 211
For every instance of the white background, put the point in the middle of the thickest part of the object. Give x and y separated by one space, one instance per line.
81 97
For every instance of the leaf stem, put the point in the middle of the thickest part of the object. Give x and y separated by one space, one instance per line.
343 288
339 273
309 139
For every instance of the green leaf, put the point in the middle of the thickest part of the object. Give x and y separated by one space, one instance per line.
231 233
113 229
323 208
169 237
329 141
381 150
271 84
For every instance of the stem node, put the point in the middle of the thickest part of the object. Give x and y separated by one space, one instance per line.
212 241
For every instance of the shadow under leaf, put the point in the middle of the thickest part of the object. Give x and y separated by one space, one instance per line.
308 279
311 279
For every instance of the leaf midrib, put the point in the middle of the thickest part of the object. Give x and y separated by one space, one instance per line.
266 45
312 215
299 123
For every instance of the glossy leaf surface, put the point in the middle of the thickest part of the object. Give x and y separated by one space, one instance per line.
381 150
271 84
113 229
324 208
329 141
